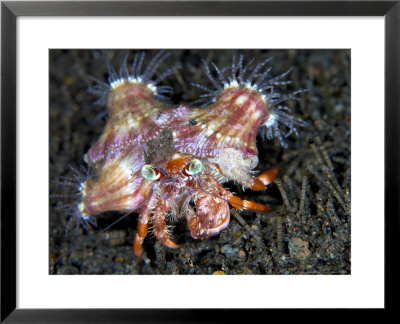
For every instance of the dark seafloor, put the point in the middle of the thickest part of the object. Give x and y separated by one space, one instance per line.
307 231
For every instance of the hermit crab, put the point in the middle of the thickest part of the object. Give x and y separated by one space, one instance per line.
180 184
170 162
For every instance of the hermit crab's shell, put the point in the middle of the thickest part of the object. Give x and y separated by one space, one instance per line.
117 187
243 103
135 118
232 122
136 112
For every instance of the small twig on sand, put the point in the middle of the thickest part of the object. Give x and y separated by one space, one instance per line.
242 222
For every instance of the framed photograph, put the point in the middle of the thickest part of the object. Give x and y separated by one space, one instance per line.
152 150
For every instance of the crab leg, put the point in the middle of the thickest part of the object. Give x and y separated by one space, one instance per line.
264 179
142 228
143 225
238 203
159 225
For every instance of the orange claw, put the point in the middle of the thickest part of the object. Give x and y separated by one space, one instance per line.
264 179
268 176
258 185
171 244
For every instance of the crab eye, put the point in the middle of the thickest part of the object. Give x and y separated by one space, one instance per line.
149 173
195 166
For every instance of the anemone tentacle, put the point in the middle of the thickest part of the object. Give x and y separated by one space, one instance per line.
255 77
136 75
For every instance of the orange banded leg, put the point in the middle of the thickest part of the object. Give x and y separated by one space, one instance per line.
264 179
159 225
238 203
142 228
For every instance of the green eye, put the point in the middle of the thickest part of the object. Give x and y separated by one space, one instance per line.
195 167
149 173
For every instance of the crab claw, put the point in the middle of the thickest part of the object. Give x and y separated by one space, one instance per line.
264 179
268 176
211 217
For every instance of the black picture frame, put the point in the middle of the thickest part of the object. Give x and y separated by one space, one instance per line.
9 13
